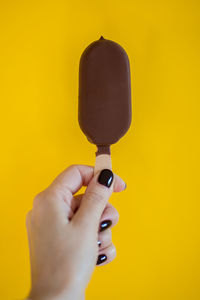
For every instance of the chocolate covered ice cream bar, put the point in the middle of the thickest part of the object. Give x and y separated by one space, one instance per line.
104 111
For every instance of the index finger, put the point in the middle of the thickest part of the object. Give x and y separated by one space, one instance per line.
76 176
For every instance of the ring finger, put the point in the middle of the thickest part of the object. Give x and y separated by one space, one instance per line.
104 239
106 255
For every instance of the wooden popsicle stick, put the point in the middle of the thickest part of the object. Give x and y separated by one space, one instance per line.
103 161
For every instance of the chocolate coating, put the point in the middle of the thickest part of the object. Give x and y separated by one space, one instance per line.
104 93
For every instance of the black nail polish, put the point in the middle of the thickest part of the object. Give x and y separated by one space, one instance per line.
105 224
106 177
99 243
101 259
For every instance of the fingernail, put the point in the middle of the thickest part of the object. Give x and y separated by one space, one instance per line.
105 224
106 177
101 259
99 243
125 185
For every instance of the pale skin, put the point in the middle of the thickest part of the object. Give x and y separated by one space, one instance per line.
63 233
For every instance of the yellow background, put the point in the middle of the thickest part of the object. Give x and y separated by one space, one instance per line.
157 238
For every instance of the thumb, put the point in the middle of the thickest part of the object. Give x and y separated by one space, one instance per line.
95 199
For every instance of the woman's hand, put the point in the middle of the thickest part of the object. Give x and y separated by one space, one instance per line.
67 235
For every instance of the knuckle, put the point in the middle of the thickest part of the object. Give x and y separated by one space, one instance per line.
110 212
96 197
113 211
108 235
43 198
111 252
106 238
37 199
72 167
